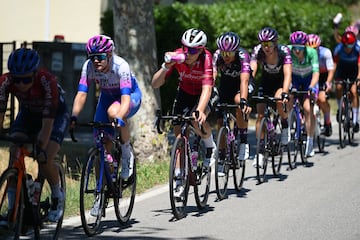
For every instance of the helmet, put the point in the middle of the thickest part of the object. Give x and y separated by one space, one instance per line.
228 42
298 37
314 41
99 44
23 61
348 38
267 34
194 38
352 28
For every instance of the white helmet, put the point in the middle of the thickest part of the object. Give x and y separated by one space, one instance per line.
194 38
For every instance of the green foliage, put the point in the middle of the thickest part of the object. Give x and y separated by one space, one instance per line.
245 17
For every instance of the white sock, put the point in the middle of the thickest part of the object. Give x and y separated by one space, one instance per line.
356 114
209 141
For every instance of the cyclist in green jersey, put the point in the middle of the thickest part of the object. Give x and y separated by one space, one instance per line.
305 77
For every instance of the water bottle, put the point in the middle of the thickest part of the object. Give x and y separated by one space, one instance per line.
194 154
36 196
271 129
179 58
337 19
317 119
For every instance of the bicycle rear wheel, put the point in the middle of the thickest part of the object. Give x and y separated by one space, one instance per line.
88 195
342 122
124 197
293 143
238 167
48 229
262 152
11 223
178 181
222 166
203 177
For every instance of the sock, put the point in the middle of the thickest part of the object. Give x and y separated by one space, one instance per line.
242 135
125 150
56 191
356 114
327 118
209 141
284 123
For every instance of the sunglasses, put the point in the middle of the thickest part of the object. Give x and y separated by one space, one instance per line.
349 45
300 48
24 80
189 50
267 44
99 56
227 54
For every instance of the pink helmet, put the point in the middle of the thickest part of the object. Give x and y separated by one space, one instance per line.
314 41
298 37
267 34
99 44
352 28
228 42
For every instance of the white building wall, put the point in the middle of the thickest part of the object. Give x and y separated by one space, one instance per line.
41 20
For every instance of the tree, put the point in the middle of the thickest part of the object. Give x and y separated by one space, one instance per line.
134 31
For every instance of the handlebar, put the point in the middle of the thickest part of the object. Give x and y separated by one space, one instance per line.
93 125
269 100
226 106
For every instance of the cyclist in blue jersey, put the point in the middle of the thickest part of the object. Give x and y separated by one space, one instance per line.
327 70
347 65
276 64
305 77
231 65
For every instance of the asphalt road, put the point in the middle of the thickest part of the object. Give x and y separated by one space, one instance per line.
320 201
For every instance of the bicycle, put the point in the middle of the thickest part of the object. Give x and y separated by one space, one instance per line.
192 169
319 129
226 142
345 114
298 135
270 131
100 181
30 199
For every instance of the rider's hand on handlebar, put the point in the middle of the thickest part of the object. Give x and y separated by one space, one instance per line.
201 118
73 121
285 97
244 106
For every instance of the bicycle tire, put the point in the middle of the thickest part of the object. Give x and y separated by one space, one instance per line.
88 195
14 227
350 125
302 144
261 170
47 229
277 151
178 205
222 166
342 122
320 139
238 167
293 143
124 196
203 178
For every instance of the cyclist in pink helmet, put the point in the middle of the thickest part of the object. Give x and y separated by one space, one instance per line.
120 96
327 70
276 64
231 65
193 62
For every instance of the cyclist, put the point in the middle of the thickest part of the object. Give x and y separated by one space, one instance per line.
42 114
195 86
120 96
276 77
305 76
231 64
327 70
347 64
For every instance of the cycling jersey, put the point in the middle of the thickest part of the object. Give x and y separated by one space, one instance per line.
347 63
193 78
326 64
272 74
230 74
302 71
113 84
43 100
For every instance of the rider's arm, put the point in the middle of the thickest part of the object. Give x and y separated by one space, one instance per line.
159 77
244 85
254 66
45 132
203 101
79 103
287 77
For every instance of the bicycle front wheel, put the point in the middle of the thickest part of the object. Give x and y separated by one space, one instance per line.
91 202
124 197
222 164
11 214
202 181
262 151
238 167
342 122
178 179
48 229
277 150
293 152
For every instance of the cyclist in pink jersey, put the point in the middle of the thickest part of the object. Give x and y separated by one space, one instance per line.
195 83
